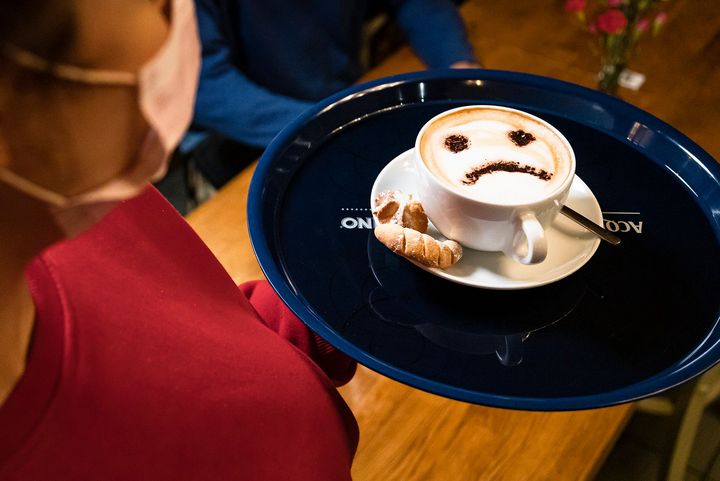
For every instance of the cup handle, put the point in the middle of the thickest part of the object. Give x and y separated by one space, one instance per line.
529 245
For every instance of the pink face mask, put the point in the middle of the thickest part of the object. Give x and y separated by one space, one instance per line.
166 93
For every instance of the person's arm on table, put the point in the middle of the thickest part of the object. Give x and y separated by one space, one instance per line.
436 32
278 317
229 102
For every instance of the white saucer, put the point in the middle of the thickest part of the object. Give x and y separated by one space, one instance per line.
569 245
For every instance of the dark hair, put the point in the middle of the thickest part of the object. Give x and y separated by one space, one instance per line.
46 27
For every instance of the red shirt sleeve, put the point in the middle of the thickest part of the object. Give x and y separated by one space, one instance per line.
278 317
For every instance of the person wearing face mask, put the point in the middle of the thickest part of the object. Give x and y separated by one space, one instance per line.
126 351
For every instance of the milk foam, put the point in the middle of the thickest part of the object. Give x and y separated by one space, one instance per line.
487 130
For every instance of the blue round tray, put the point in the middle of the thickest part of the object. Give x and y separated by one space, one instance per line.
635 320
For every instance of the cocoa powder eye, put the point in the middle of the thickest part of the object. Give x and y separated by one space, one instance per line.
457 143
520 137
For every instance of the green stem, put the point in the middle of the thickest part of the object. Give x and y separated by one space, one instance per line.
609 77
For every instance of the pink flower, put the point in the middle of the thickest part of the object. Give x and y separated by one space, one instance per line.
573 6
613 21
661 18
593 27
642 25
614 3
658 22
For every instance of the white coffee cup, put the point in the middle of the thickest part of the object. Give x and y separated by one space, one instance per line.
510 211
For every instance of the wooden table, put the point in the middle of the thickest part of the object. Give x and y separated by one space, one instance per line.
409 435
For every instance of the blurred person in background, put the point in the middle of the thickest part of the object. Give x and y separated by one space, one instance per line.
126 351
264 62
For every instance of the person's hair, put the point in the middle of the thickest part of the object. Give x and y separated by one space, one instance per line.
12 15
46 27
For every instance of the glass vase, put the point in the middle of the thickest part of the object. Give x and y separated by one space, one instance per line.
609 77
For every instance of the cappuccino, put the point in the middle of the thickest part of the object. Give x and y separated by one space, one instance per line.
496 155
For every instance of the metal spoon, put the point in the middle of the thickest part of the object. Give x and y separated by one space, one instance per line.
599 231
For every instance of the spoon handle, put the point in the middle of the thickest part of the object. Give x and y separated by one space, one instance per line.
601 232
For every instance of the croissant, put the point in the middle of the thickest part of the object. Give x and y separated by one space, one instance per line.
419 247
397 208
414 217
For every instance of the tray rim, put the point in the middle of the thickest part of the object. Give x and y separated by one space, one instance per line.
682 371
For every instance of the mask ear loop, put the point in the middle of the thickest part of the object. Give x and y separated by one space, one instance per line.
23 185
30 61
29 188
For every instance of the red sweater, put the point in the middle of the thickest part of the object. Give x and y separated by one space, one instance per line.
147 363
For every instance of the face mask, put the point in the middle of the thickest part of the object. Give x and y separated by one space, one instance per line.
166 93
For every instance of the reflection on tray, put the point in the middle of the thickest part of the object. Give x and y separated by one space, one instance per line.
466 319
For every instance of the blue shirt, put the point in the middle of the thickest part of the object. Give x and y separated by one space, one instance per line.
265 61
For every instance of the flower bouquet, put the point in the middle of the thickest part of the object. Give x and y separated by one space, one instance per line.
618 25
